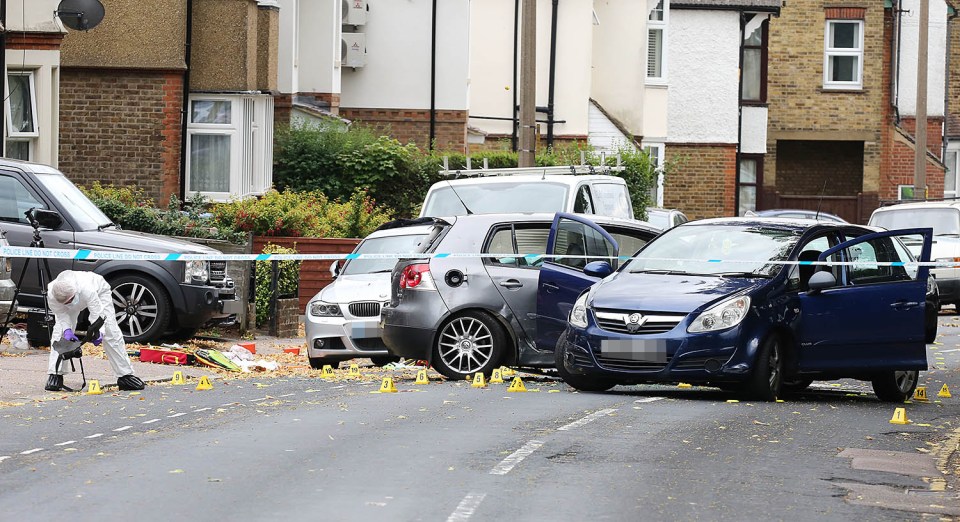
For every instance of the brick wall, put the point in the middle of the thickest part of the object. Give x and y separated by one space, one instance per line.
703 183
493 142
804 166
413 125
122 128
288 317
314 275
283 104
953 76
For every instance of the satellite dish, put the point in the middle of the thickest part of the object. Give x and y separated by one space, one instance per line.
80 15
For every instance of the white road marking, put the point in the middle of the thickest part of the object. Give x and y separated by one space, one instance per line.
123 428
5 457
151 421
34 450
201 409
227 405
951 350
586 420
95 435
176 415
515 458
648 399
66 443
466 507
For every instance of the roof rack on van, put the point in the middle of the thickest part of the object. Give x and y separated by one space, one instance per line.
583 168
888 202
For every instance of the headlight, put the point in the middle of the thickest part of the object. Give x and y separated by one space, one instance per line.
194 270
724 315
321 309
578 316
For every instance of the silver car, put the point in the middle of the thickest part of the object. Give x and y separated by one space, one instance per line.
342 320
474 314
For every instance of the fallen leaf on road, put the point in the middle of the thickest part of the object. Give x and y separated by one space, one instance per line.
761 423
176 471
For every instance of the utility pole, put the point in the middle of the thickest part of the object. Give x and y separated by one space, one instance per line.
920 159
528 84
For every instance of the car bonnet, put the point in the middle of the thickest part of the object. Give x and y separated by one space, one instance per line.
359 287
667 292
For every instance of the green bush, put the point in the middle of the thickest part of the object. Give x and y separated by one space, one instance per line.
288 281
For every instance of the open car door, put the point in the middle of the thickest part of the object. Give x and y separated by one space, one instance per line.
872 317
561 279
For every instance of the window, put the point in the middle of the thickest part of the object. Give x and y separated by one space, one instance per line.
950 177
655 152
512 243
612 199
864 254
15 200
751 176
584 203
843 55
656 42
578 240
21 108
754 79
230 146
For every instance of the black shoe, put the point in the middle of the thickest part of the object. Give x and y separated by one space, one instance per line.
54 382
130 382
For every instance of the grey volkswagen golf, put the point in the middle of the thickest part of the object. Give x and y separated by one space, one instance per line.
474 314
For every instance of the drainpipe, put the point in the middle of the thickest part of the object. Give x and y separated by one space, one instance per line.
185 111
896 74
433 76
736 183
553 73
516 56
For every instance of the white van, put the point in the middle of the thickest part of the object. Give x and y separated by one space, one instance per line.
538 189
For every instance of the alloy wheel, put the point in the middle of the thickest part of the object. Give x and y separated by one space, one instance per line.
465 345
905 380
136 308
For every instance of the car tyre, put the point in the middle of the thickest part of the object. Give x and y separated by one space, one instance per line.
469 343
895 386
796 384
767 377
581 382
142 307
930 330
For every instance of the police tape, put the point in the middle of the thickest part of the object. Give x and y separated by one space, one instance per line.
106 255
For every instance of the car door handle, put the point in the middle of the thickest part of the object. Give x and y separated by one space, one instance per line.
904 305
66 242
551 287
511 284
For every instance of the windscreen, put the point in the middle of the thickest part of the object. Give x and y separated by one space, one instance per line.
493 198
85 214
717 250
660 220
406 244
945 221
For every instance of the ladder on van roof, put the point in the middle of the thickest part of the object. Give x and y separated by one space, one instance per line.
582 168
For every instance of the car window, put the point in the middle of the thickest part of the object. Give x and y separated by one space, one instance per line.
800 274
85 214
485 197
944 221
15 199
629 240
404 244
611 199
512 243
584 203
576 239
864 254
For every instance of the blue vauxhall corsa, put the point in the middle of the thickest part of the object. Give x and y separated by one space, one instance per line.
757 305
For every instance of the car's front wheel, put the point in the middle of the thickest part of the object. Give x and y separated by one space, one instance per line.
581 382
895 386
142 307
930 329
767 377
317 363
469 343
385 360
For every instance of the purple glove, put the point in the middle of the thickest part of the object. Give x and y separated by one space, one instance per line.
69 335
98 340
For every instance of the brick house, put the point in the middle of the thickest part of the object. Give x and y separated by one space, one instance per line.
951 148
842 105
126 86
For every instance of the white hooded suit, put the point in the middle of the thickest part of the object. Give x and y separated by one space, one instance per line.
93 294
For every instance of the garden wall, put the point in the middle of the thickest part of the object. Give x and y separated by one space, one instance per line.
314 275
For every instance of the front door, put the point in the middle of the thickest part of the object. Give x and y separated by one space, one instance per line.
573 242
874 318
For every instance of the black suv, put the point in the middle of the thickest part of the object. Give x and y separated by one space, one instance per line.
151 298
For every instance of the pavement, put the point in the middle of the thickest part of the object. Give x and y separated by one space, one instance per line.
23 373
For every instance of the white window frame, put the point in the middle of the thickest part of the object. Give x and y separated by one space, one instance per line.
659 149
830 52
256 118
33 106
657 25
953 147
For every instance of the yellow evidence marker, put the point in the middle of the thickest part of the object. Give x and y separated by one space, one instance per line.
899 416
387 386
517 385
920 394
94 388
479 381
422 377
178 379
354 371
496 377
204 383
944 392
326 372
507 372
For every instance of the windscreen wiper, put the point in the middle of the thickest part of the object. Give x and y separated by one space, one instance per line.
105 225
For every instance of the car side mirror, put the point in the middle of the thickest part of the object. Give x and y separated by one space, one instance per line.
48 218
821 280
335 269
599 269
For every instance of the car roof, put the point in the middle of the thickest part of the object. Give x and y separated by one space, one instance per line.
548 217
563 179
780 222
920 204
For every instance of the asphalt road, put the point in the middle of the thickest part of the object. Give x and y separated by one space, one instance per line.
306 449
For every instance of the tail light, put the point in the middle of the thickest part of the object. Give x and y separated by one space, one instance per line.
417 276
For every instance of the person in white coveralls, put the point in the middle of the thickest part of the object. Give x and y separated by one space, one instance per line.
71 293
